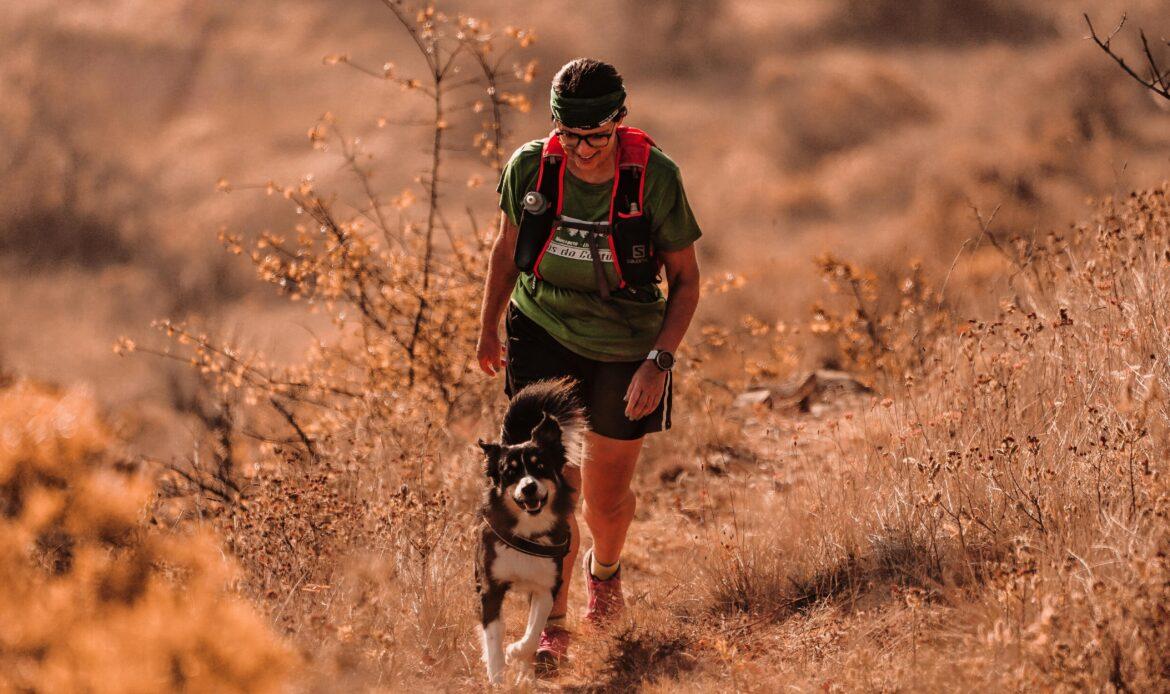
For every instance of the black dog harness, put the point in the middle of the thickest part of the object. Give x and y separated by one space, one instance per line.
526 546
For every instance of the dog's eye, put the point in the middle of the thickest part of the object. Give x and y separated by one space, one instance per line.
532 458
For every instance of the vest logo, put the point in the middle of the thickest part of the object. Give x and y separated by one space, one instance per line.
638 252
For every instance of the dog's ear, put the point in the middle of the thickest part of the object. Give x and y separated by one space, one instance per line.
491 458
547 433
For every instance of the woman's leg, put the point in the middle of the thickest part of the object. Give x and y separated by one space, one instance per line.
609 501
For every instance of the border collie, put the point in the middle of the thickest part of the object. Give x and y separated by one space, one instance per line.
525 513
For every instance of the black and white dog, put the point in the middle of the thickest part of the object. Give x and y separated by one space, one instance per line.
526 512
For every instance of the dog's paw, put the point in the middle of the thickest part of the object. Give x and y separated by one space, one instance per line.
496 678
525 676
518 651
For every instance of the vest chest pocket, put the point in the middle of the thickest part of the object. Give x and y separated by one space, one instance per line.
635 249
532 238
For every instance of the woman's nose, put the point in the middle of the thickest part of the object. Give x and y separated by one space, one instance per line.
585 149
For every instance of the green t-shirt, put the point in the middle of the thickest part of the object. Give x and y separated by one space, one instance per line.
566 303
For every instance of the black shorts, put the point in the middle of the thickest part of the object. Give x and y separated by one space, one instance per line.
534 355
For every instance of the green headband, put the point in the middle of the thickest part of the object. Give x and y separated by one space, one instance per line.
593 112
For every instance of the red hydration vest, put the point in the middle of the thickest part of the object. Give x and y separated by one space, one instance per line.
628 230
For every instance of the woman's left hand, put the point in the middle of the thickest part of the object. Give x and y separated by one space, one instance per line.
645 391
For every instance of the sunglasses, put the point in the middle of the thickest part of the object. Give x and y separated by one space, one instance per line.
595 140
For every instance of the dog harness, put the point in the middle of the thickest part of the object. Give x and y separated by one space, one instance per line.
526 546
627 232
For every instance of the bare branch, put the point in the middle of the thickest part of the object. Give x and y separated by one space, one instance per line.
310 445
1156 83
400 15
1157 76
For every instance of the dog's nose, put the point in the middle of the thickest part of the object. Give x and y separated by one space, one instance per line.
528 488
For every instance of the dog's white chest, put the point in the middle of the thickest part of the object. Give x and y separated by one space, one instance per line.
524 571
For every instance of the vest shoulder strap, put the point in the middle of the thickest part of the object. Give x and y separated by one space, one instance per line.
633 147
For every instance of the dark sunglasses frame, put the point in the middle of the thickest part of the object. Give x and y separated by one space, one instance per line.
596 140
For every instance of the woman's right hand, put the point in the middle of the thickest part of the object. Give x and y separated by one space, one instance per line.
490 352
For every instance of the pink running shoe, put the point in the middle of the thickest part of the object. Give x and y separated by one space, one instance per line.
553 649
605 597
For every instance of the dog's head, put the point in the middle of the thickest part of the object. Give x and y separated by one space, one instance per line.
528 474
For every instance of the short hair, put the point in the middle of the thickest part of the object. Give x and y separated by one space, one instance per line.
585 78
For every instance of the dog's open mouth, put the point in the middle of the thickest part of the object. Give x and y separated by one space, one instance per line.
531 506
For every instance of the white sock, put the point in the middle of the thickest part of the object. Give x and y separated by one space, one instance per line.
602 572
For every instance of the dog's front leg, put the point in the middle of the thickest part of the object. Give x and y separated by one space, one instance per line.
493 634
493 650
539 607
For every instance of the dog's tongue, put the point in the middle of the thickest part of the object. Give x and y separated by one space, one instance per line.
532 506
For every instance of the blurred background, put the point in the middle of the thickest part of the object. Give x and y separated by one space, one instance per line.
871 129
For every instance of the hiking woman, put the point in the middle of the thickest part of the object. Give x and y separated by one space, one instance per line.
592 218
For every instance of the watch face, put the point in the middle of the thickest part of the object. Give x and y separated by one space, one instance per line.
664 360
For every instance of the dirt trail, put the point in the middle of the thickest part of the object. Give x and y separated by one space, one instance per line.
692 515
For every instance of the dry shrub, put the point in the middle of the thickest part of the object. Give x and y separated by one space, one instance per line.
69 203
938 21
639 655
835 111
1044 440
367 565
1041 419
748 574
94 600
49 237
353 522
1046 434
878 335
1089 575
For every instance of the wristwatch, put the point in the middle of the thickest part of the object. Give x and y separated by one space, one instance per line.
662 359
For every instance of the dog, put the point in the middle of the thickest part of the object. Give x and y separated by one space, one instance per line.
525 513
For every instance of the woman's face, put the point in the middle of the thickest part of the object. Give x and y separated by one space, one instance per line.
584 156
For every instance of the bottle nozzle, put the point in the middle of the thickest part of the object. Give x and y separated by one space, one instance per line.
535 203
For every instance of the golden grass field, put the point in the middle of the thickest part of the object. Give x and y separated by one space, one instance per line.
238 400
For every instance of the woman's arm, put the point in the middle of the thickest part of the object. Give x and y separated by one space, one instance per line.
682 281
501 278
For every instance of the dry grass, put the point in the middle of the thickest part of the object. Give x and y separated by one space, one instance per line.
1016 480
994 518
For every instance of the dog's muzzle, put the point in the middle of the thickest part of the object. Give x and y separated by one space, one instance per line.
530 495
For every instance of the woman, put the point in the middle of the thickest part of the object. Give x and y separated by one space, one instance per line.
591 216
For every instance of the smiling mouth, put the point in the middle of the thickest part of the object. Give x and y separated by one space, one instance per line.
530 506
